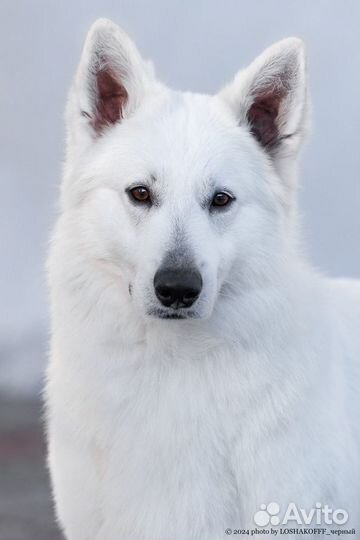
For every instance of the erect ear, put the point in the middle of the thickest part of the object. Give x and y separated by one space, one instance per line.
110 81
270 97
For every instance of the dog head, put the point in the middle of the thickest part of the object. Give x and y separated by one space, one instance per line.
182 197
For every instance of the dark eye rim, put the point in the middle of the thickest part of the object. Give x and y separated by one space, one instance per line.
229 199
131 193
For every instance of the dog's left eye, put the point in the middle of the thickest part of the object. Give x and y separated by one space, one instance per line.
140 194
221 199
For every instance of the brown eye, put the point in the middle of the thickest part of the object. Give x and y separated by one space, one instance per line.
140 194
221 199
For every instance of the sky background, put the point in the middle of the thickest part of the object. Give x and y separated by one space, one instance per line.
196 45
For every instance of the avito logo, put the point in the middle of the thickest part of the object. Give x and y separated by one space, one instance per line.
319 515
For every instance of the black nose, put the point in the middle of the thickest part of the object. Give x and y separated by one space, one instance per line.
177 288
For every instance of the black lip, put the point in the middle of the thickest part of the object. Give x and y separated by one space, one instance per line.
170 315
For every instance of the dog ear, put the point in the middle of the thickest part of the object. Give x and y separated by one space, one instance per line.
110 81
270 97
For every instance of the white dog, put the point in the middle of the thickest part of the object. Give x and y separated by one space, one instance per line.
200 368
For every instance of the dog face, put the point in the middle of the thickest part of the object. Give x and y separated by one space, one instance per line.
182 197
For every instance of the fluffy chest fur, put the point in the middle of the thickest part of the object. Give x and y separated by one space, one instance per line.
199 426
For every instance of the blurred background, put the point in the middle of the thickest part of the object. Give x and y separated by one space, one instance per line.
196 45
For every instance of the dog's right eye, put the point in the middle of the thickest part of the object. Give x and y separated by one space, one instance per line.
140 194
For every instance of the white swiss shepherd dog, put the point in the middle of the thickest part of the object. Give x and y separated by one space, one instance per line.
199 366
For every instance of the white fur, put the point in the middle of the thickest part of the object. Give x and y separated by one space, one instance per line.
177 430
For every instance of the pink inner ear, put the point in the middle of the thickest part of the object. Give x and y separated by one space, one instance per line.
111 100
262 116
